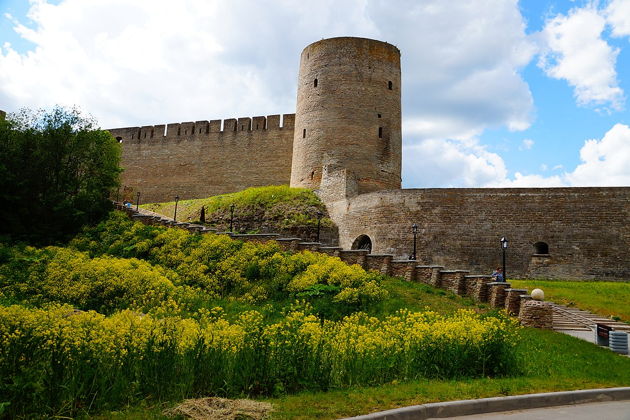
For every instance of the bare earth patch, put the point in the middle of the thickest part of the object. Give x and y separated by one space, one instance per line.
220 409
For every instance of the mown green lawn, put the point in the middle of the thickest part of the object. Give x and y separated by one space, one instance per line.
601 297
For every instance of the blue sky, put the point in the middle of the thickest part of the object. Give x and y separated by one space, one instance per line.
495 92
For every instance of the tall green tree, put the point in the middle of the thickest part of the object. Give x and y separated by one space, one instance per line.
57 171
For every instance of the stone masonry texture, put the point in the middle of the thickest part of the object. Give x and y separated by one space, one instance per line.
345 143
348 113
587 230
200 159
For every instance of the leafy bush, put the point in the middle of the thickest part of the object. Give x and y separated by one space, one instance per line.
120 264
226 268
56 173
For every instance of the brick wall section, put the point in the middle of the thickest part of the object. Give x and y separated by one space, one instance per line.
333 251
453 281
199 159
496 294
586 229
424 274
477 287
404 268
379 262
357 256
513 300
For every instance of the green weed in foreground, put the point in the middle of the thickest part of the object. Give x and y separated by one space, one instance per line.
601 297
549 362
59 361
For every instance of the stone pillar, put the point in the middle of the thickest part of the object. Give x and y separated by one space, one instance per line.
513 300
477 287
497 294
536 314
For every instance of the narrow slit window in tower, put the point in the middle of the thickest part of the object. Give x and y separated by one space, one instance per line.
145 134
151 133
179 131
379 115
390 85
380 132
315 83
304 133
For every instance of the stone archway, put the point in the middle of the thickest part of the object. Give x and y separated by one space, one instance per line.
363 242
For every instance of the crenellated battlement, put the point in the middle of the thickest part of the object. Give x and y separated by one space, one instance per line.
203 129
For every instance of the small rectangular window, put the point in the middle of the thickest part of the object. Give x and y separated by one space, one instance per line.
315 83
390 85
380 132
379 115
304 133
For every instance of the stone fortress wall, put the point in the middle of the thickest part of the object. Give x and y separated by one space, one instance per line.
204 158
345 143
568 233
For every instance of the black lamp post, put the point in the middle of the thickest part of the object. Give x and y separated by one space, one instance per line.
504 245
175 214
414 229
319 223
137 200
231 217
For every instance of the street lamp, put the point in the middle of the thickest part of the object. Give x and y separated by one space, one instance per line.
504 245
231 216
175 214
414 229
137 200
319 223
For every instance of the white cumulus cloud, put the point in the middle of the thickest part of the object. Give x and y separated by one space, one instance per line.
618 16
605 162
573 50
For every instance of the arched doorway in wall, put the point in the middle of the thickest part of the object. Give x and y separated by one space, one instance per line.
541 248
363 242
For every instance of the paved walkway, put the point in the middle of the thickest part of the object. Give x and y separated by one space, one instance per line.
615 410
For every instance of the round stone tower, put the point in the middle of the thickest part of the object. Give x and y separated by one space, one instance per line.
348 119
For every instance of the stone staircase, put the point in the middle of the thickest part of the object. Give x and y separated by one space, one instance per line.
481 288
573 319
